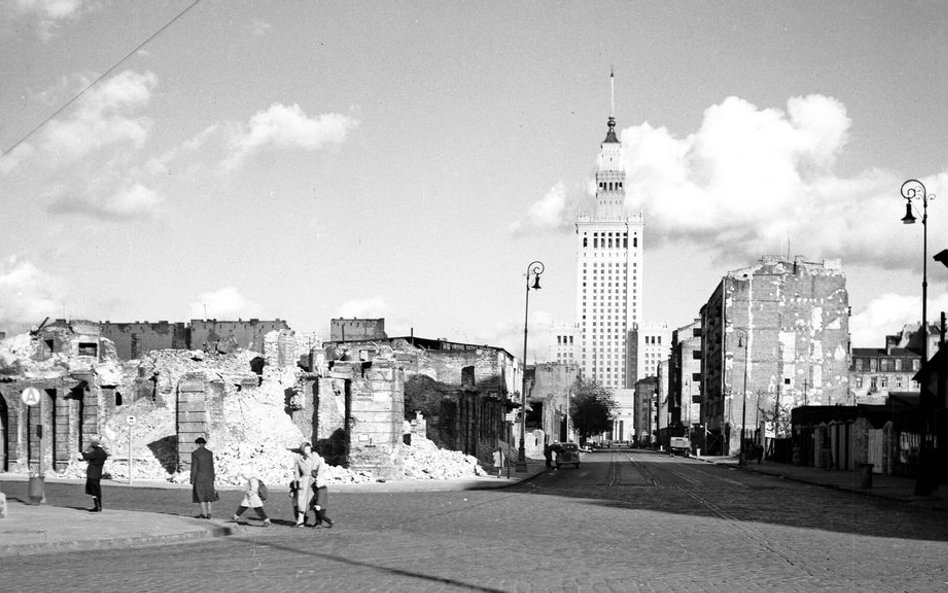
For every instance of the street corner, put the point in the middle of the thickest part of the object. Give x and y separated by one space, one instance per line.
36 529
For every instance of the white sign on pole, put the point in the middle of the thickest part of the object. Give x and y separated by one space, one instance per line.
131 420
30 396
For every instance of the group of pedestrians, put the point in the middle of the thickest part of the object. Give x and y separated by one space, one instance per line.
308 488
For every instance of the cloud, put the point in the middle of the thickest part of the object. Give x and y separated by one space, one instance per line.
126 202
749 178
370 307
554 211
508 335
107 116
887 314
259 27
226 303
282 126
53 14
27 294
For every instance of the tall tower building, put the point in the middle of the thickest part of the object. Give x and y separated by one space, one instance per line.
608 271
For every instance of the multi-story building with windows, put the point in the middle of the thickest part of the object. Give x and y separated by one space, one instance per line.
565 347
876 372
608 272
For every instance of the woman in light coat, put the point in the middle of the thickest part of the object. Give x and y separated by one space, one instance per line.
305 464
320 483
252 498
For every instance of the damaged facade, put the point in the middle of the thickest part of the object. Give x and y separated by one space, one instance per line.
791 318
253 407
133 340
462 390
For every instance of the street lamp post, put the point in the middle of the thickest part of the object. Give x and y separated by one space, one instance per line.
742 341
535 269
911 190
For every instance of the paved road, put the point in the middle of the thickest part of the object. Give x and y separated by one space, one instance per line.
623 521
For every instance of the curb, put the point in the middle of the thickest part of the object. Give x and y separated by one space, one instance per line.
114 542
867 492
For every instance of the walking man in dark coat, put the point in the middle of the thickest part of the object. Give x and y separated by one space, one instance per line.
202 478
96 457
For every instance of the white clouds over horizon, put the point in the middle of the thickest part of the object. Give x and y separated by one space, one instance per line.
285 126
226 303
27 294
369 307
888 313
551 212
749 178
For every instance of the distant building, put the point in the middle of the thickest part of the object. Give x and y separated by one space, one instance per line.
654 341
341 329
789 320
566 347
646 410
684 377
876 372
608 272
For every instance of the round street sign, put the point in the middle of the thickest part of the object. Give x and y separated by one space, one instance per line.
30 396
131 420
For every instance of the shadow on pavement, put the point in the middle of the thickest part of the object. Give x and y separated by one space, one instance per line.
657 483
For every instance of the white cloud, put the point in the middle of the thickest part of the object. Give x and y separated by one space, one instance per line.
107 116
27 294
259 27
370 307
553 211
126 202
226 303
53 14
888 313
283 126
748 178
509 336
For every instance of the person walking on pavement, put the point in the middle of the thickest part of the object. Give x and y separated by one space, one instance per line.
251 498
96 457
303 491
498 460
321 499
548 454
202 478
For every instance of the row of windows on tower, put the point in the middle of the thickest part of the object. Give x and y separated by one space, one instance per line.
564 340
607 240
610 185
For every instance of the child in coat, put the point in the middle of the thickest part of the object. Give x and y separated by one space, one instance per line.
252 498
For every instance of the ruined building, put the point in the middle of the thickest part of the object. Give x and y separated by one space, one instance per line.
789 320
133 340
463 390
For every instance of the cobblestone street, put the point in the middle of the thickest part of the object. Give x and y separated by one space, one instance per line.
623 521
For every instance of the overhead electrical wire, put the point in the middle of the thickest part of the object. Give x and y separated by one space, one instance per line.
98 78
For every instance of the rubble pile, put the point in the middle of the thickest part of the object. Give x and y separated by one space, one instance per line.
423 460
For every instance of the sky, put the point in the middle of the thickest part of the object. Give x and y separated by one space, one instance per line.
307 160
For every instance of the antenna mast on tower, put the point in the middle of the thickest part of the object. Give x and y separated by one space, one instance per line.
612 93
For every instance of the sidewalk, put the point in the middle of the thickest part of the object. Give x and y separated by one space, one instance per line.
37 529
895 488
32 529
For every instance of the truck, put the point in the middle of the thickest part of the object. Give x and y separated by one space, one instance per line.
680 446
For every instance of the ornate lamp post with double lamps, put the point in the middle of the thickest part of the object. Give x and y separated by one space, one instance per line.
535 269
913 189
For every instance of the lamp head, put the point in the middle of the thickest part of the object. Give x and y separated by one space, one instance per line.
536 282
909 218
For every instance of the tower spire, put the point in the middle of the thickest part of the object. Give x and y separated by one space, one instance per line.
611 134
612 92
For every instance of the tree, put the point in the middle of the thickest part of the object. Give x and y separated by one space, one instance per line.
591 408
